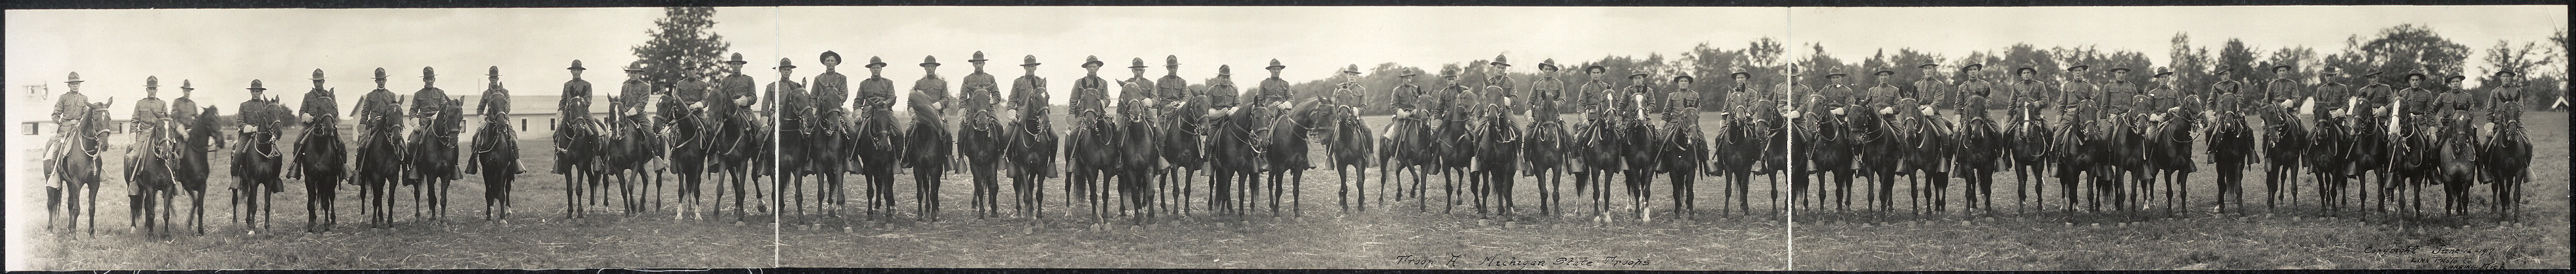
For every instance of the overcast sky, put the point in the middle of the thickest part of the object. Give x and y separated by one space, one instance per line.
1853 34
222 50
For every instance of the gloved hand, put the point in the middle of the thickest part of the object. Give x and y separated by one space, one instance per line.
1836 111
1926 110
1887 110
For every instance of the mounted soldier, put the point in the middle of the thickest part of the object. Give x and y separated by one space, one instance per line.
879 138
256 161
379 114
828 127
1030 140
1933 92
432 154
979 137
148 161
932 143
786 104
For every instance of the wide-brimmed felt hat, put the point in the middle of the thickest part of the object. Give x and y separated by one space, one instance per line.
637 65
317 74
2119 70
2079 67
829 58
1029 60
1591 68
2373 73
875 62
1091 61
1224 70
2162 72
1352 69
152 81
428 72
1836 75
783 64
1928 65
2412 76
1408 73
1883 72
494 71
254 85
1739 73
1639 74
1274 64
185 85
2331 71
2025 69
75 78
2225 71
2454 78
1448 72
576 65
930 61
1684 78
737 59
1137 63
2506 73
1547 65
1498 61
977 58
1971 67
380 73
2280 67
1171 60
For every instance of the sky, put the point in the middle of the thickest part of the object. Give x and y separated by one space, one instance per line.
223 50
1856 33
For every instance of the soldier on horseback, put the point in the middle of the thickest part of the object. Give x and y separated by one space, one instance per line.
931 140
379 115
148 160
432 154
1031 152
980 127
255 162
495 108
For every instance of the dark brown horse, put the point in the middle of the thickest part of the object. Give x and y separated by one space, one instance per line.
321 160
257 163
1544 150
1091 152
1183 155
1235 157
980 140
151 169
1287 150
433 160
2074 155
2459 168
2329 160
579 148
626 155
2285 144
1030 146
204 136
2029 142
1831 150
1873 136
1928 142
2231 148
685 131
880 152
1643 160
380 165
2169 152
1350 146
78 164
1981 147
2506 159
496 157
1497 158
1139 159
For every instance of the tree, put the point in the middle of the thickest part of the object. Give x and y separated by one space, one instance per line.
2238 57
2409 48
682 48
2190 64
2299 58
2504 57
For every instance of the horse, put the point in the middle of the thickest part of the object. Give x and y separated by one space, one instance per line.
2368 155
740 149
1030 147
1349 147
1833 152
380 165
578 156
1139 158
830 144
496 148
1772 134
879 151
1642 161
1928 142
433 160
1287 150
929 149
1456 151
1181 149
980 139
685 131
2029 143
257 165
1879 153
204 137
2168 151
76 161
2329 150
626 154
151 170
321 160
1543 151
1497 158
2506 159
1091 152
2231 148
1978 149
2127 156
2285 143
2073 151
1596 149
2459 168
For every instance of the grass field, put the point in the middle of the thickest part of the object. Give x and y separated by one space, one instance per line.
1325 237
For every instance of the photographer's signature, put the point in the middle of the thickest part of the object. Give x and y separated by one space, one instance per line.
1454 260
2444 257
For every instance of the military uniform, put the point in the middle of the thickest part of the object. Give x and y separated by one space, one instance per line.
1500 92
728 99
2076 91
2231 90
379 111
495 105
876 98
150 113
1090 95
1135 96
2328 97
427 103
1272 91
1547 95
2029 95
1974 86
1221 92
1681 107
1834 96
1406 94
981 93
831 91
575 103
633 94
1593 98
2369 110
929 99
185 111
1029 100
1171 88
1347 93
1632 108
269 120
2278 90
1932 90
2506 110
2120 98
788 102
2454 105
69 107
1881 98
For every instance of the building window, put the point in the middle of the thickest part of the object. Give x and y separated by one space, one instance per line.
550 124
523 124
29 127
